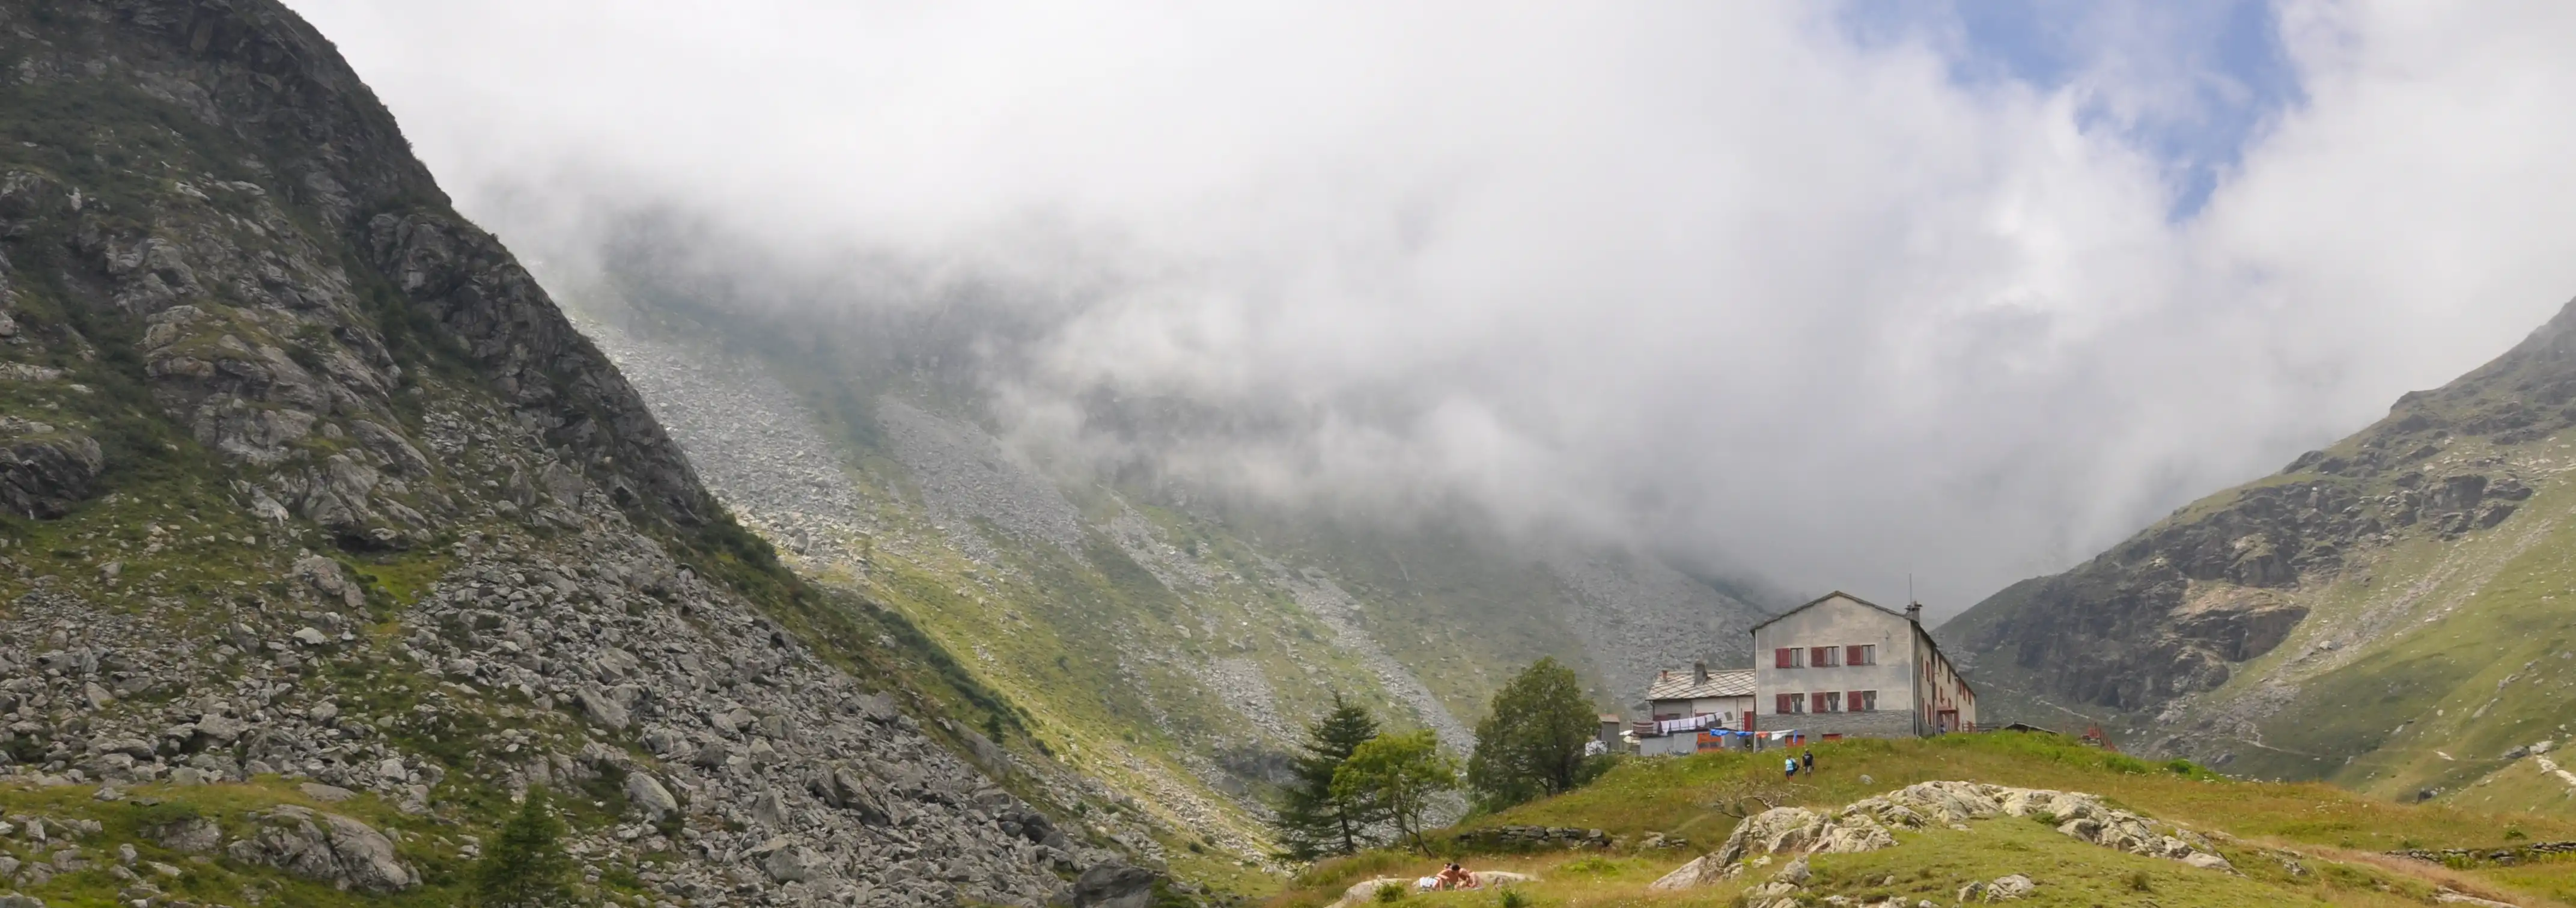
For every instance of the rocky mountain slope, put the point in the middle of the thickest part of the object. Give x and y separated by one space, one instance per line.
327 537
1168 638
2391 612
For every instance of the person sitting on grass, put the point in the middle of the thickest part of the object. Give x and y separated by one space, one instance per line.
1456 877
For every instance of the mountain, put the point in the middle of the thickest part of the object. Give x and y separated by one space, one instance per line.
2391 613
327 537
1170 636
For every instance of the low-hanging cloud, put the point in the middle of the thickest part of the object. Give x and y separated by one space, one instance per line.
1734 280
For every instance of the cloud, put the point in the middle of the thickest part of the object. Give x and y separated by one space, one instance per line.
1756 285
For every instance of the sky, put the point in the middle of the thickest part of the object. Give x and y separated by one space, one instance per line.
1854 295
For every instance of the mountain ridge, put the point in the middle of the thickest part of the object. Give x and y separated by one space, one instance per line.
329 537
2285 626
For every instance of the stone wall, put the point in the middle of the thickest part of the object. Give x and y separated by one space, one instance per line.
1884 723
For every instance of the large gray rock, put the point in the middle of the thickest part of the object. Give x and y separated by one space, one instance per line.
45 476
602 708
1707 870
328 848
787 861
649 797
195 835
1114 886
331 580
2008 887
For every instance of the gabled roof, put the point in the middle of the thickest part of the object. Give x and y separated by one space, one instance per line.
1685 685
1820 600
1934 645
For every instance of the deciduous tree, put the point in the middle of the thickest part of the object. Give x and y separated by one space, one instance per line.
1532 742
1400 774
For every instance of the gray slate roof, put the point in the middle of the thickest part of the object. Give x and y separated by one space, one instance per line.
1681 685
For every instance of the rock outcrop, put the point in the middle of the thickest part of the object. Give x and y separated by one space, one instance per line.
325 847
43 473
1867 824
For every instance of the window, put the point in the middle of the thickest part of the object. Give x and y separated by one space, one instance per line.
1860 655
1789 657
1786 704
1862 701
1829 702
1824 657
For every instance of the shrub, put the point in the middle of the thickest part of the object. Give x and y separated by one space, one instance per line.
1512 898
1390 892
1593 864
2139 881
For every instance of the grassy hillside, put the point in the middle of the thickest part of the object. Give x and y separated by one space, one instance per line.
2307 842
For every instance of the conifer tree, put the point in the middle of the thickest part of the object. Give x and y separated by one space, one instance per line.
526 866
1312 820
1531 744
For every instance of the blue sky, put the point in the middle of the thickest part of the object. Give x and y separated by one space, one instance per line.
2191 82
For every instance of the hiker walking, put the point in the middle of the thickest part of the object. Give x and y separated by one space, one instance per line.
1809 757
1789 768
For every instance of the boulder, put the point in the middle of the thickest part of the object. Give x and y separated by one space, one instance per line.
44 477
331 580
1707 870
2207 861
649 797
195 835
602 708
787 861
1115 886
327 848
1366 890
2009 887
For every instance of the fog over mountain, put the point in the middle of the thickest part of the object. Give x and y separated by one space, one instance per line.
1824 294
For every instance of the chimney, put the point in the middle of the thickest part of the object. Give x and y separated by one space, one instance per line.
1699 672
1914 612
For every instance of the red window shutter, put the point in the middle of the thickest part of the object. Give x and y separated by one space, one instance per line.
1820 656
1854 702
1782 706
1851 656
1781 657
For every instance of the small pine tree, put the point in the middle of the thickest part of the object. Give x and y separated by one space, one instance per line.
525 866
1531 743
1312 821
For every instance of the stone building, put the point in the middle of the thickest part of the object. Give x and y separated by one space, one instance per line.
1841 666
1723 698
